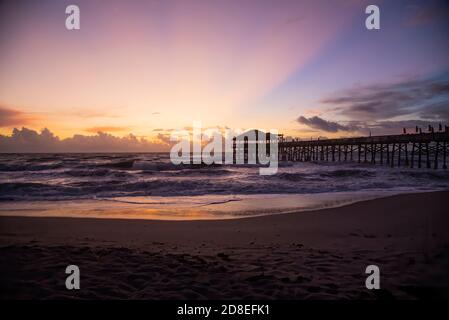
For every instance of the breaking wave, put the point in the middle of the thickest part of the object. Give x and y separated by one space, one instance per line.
90 176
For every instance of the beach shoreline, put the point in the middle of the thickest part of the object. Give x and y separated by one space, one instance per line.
199 207
318 254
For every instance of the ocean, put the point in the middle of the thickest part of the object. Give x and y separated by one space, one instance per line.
152 181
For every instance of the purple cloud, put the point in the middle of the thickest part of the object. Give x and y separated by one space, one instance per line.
323 125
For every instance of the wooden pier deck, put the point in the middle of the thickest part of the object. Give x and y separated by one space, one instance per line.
414 150
429 149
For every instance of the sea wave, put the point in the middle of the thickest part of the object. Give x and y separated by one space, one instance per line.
88 176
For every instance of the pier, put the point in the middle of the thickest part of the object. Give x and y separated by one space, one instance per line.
429 149
415 150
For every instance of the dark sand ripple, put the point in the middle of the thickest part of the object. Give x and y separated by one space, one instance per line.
255 272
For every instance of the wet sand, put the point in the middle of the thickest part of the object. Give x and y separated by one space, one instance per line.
318 254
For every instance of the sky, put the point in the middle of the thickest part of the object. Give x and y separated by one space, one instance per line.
139 69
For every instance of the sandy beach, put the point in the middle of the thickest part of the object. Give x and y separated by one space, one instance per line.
310 255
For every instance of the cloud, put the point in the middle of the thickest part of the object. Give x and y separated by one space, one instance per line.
164 138
324 125
27 140
11 117
386 108
422 98
86 114
398 125
428 12
367 127
436 111
106 129
163 130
